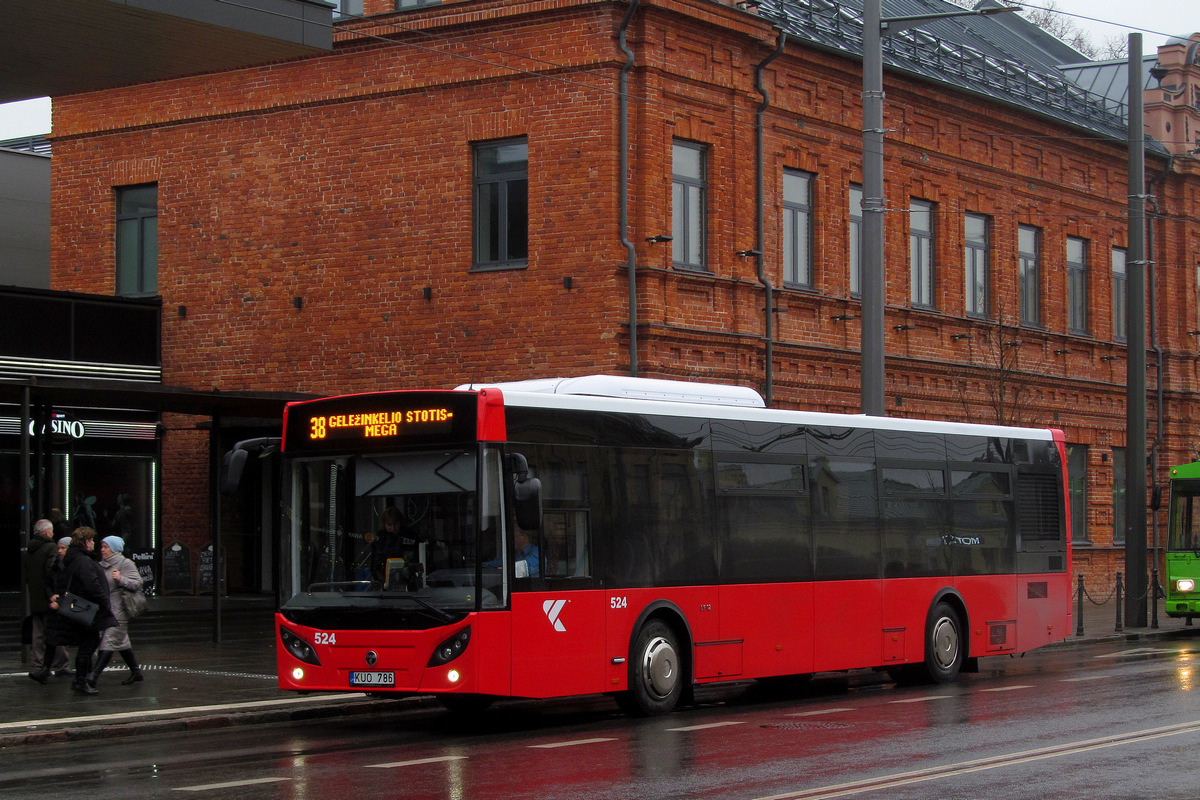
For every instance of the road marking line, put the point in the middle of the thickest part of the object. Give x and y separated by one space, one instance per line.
417 762
925 699
229 785
1141 651
185 710
822 711
984 764
570 744
705 727
1008 688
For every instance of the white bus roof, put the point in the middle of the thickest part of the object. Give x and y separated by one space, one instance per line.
683 398
635 389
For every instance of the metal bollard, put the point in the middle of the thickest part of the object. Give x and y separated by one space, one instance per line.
1079 609
1154 598
1120 602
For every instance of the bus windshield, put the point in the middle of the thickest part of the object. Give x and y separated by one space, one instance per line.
397 531
1184 532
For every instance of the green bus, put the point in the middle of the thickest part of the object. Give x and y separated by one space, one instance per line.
1182 582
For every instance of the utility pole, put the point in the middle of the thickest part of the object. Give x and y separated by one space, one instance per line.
1136 582
873 274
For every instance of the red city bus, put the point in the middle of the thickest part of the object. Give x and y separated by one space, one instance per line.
641 537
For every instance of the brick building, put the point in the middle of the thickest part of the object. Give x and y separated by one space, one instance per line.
439 200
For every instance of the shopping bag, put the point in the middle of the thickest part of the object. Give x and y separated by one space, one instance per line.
77 609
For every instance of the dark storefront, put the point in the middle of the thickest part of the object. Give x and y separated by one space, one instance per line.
81 395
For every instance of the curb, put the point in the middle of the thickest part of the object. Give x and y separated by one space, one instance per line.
206 722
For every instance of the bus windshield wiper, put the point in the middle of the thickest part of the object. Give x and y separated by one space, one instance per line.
443 614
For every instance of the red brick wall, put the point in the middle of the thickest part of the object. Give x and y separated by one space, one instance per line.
346 180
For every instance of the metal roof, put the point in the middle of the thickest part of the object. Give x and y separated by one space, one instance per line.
1001 57
1110 79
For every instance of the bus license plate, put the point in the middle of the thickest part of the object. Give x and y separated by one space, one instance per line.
372 679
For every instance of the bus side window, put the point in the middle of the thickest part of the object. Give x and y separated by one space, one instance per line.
565 545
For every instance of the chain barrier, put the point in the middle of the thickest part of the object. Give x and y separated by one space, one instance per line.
1153 590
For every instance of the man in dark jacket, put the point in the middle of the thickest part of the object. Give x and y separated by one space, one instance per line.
82 576
39 561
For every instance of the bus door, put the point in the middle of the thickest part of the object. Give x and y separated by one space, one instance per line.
847 590
558 618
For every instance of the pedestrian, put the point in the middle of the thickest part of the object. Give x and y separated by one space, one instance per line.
81 575
39 563
61 528
122 576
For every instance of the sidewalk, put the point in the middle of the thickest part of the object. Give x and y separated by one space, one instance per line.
193 683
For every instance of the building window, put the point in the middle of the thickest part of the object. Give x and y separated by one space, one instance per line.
920 247
137 240
1120 296
502 204
1077 285
797 236
689 188
347 8
1029 259
856 221
977 259
1119 486
406 4
1077 491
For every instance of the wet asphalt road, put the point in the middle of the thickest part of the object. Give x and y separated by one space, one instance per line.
1114 719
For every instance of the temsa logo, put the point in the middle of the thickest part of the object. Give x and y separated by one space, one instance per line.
553 608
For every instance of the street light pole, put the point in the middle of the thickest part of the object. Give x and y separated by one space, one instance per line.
873 275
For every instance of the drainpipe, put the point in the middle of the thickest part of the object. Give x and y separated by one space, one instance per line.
769 378
623 191
1158 353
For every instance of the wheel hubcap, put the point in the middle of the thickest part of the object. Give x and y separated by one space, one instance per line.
660 667
945 643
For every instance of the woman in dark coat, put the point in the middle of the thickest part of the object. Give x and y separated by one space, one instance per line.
79 574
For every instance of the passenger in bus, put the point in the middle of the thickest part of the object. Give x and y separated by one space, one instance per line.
526 556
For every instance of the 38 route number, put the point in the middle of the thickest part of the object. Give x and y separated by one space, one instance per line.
618 602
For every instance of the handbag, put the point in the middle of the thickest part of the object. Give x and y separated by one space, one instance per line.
134 602
75 608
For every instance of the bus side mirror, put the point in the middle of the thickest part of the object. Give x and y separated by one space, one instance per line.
232 466
527 492
234 461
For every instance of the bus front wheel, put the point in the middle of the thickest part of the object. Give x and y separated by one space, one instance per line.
656 675
944 652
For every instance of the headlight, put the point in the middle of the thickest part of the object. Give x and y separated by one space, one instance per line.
1185 585
450 649
298 647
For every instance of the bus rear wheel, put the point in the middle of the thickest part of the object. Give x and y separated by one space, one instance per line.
656 674
944 650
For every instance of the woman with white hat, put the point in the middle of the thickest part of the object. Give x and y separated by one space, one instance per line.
122 576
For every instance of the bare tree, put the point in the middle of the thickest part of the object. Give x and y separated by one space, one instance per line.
996 363
1050 18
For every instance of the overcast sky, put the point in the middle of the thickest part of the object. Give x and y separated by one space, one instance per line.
1157 20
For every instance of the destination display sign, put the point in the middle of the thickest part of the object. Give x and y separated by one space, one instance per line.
385 419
